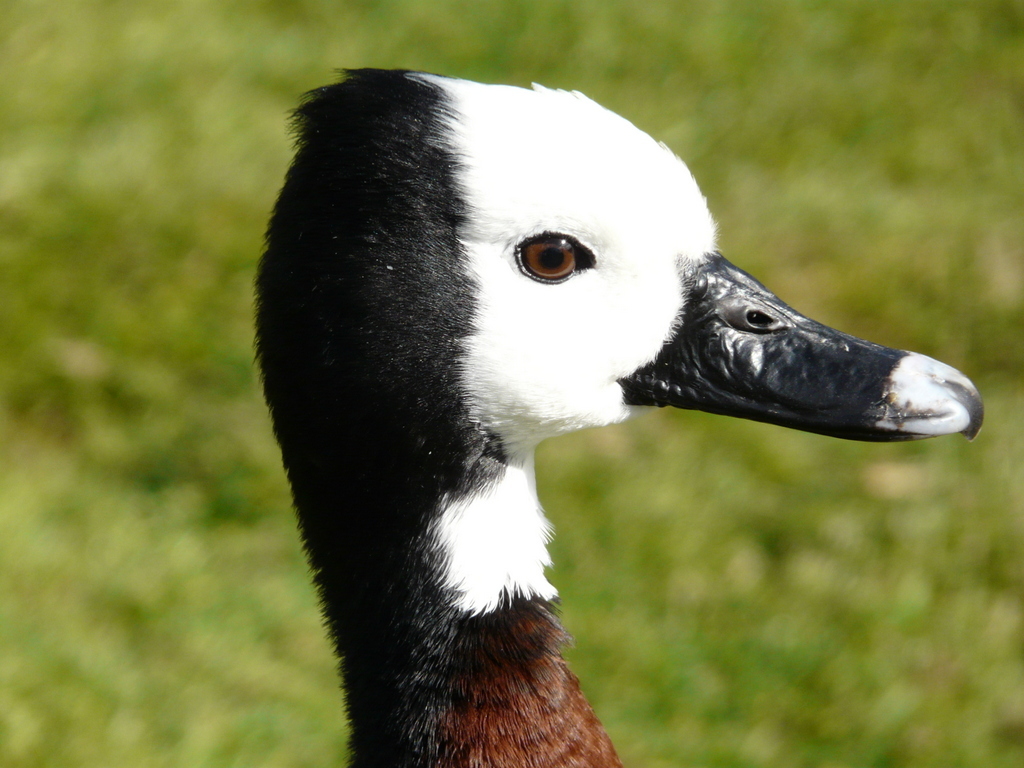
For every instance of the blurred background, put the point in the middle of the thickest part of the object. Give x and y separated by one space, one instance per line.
742 595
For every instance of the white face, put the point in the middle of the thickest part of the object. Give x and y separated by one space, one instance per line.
546 357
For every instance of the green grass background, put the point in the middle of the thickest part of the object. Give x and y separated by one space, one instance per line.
742 595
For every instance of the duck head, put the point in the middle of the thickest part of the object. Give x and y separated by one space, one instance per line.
457 271
601 291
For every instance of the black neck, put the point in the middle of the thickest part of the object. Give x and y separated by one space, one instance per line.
429 685
393 622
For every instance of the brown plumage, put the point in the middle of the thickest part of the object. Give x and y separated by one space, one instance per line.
518 704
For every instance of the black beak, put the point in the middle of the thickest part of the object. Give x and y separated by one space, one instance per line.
740 351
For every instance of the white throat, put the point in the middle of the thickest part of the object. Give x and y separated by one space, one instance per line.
495 542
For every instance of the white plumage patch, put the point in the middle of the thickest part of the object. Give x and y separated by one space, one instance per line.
544 358
496 543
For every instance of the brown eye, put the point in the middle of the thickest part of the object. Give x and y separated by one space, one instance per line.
552 258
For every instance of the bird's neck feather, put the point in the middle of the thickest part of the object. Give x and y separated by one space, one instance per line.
493 541
434 591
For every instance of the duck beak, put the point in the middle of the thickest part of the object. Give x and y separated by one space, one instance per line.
740 351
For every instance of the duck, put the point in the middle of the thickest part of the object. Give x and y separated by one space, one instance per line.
454 272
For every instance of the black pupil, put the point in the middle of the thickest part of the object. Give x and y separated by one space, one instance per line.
553 257
758 319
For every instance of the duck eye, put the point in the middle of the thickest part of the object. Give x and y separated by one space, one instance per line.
553 258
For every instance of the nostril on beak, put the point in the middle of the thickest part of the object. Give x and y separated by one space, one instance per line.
752 318
760 320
